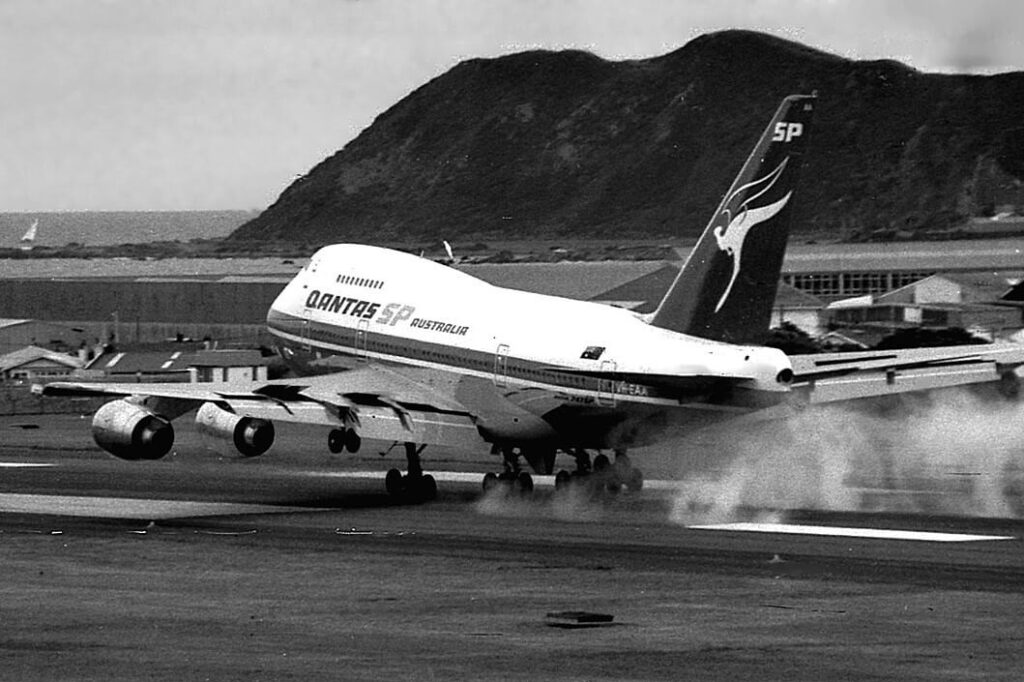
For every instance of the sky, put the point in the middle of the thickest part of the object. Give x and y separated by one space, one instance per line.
220 104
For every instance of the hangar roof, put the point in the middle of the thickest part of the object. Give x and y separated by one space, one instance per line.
645 292
29 354
169 361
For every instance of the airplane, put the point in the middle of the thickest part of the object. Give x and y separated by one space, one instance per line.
393 347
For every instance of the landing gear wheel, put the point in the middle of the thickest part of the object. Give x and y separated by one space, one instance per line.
625 474
513 478
393 482
352 441
336 440
635 480
603 479
562 479
415 486
427 488
411 488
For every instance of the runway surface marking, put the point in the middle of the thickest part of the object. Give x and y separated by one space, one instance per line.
24 465
838 531
130 508
476 477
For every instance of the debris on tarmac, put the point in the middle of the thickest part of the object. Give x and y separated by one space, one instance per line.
578 619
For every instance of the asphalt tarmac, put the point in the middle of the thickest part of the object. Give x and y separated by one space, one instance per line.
296 565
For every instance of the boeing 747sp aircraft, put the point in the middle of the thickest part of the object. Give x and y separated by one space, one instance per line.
394 347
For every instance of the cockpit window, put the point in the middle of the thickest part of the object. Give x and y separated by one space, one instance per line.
592 353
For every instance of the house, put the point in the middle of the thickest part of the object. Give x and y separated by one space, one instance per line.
798 308
227 366
986 304
983 288
32 363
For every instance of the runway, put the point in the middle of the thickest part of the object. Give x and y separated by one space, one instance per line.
298 565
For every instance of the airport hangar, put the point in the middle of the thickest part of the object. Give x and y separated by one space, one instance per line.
887 286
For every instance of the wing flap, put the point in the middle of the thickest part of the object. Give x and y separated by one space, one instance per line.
375 422
870 384
808 369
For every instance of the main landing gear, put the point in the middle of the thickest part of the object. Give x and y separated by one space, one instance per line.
603 474
414 486
513 477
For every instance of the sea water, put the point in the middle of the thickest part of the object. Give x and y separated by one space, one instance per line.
108 228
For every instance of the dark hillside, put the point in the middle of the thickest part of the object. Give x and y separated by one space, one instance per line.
563 144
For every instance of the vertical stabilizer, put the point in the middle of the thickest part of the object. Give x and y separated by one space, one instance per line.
727 286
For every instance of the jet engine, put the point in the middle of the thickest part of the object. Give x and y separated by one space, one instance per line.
251 436
129 431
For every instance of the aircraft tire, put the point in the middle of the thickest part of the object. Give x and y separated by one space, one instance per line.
562 480
524 483
490 481
352 441
393 482
336 440
602 463
635 480
426 487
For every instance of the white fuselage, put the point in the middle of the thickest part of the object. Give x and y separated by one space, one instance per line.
377 304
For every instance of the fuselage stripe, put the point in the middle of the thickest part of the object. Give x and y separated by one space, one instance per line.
518 373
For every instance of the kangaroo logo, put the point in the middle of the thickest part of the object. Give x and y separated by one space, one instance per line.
731 238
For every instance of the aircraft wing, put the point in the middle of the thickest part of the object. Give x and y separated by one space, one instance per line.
829 377
378 402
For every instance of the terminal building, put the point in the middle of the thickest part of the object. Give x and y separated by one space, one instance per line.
846 270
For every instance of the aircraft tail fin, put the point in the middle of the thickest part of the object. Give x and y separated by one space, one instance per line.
726 289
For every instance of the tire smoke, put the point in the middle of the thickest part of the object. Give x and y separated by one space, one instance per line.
948 453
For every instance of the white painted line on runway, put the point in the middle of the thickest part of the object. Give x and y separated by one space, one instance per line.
539 481
439 476
837 531
130 508
24 465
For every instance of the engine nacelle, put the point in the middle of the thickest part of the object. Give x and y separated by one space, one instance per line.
251 436
129 431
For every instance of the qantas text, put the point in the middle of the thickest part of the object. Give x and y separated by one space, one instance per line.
341 304
386 314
